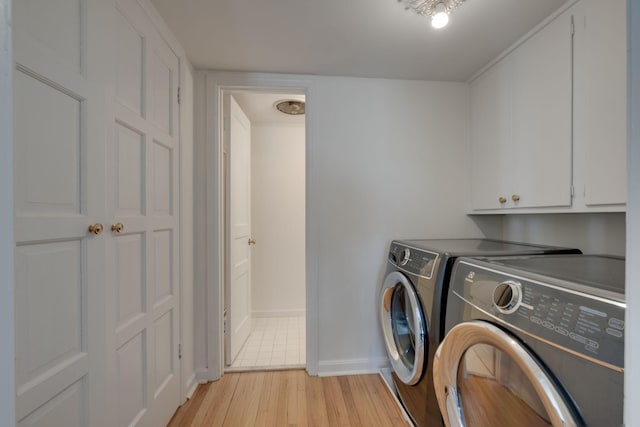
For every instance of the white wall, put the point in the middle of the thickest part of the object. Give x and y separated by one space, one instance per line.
632 339
278 219
389 162
7 373
597 233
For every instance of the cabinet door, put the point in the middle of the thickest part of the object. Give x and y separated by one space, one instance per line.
542 117
491 142
601 102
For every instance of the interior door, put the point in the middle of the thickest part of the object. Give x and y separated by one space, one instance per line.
143 231
238 289
59 192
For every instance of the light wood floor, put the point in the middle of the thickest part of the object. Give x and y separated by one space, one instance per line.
290 398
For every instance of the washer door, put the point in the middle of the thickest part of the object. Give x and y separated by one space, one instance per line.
483 376
403 326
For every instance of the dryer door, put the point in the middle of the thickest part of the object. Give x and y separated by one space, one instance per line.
403 326
483 376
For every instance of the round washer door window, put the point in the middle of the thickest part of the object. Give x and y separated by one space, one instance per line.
484 377
403 327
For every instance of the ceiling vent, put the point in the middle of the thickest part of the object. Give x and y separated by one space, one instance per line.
290 106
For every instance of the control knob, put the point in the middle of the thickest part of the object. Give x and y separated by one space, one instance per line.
406 255
507 297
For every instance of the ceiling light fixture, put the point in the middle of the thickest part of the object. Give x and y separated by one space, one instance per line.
438 10
292 107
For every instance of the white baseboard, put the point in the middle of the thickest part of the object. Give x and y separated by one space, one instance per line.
329 368
191 386
202 376
278 313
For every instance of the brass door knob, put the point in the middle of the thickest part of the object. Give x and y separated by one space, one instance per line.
502 200
117 228
96 229
515 198
252 242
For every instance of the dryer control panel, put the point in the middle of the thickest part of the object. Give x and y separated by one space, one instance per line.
576 320
414 261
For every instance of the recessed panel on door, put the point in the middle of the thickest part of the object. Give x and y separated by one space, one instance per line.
130 250
129 79
48 149
164 368
66 409
132 379
53 27
162 86
162 179
162 246
49 297
130 171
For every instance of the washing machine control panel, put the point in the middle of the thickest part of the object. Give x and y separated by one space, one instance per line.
572 319
412 260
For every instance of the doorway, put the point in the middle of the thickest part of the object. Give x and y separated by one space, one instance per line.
264 292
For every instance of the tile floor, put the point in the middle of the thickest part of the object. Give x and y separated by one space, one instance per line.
274 343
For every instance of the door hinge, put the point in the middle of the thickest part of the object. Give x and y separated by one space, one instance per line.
179 351
178 95
573 26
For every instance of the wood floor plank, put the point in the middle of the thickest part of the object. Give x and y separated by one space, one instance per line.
290 398
243 409
272 406
185 415
217 401
350 403
368 411
297 399
337 412
384 401
316 403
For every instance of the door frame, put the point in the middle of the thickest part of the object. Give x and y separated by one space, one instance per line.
7 350
209 123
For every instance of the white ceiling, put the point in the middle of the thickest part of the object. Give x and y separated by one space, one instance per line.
364 38
259 107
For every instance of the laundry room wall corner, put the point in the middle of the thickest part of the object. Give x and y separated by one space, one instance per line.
7 364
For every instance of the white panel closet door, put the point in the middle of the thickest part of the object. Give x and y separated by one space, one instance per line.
142 177
59 192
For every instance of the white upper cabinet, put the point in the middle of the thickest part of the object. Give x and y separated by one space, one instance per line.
521 124
601 102
542 118
491 152
548 121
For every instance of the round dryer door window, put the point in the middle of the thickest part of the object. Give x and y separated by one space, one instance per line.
484 377
403 327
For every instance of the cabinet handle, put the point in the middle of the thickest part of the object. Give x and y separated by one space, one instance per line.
252 242
96 229
515 198
117 228
502 200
